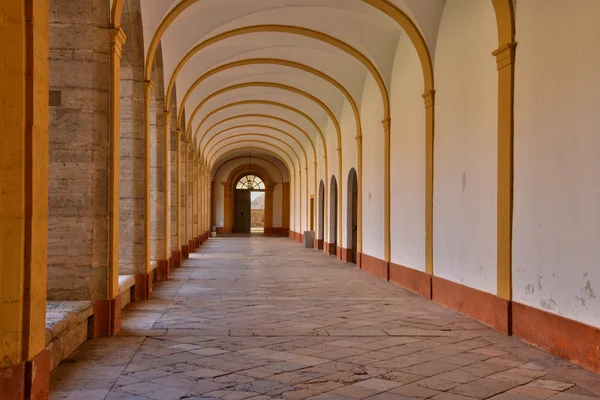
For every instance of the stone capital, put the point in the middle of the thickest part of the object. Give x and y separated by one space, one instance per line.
505 55
387 123
117 40
148 89
429 98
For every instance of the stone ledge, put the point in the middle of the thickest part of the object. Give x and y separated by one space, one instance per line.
126 283
66 327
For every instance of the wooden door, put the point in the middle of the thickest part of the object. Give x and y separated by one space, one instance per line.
242 211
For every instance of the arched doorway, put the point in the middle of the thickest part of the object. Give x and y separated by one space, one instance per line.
333 207
352 217
321 217
249 205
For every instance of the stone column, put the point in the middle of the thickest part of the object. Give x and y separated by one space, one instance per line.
143 282
117 39
131 110
178 192
79 162
166 261
24 361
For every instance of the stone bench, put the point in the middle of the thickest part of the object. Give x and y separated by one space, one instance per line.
66 327
126 289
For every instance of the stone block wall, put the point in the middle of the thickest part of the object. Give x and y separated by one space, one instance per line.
131 213
157 182
79 150
173 171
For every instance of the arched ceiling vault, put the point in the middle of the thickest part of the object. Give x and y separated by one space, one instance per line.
261 154
265 63
225 107
235 158
265 119
202 40
186 22
268 131
330 114
251 137
280 153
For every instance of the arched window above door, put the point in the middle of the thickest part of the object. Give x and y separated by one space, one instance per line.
250 182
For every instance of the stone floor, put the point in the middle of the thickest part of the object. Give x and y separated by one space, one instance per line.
262 318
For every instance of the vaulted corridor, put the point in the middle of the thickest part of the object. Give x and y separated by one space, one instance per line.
255 317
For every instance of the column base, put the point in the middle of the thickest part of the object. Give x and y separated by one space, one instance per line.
107 318
184 253
191 247
329 248
358 260
175 258
319 244
143 286
29 380
338 253
163 270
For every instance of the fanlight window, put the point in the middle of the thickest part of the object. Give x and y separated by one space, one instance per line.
251 182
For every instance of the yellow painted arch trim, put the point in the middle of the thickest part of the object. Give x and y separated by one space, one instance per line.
267 117
260 126
263 102
261 61
296 30
245 135
287 164
276 86
401 18
254 157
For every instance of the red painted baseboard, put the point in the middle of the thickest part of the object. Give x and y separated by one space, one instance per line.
375 266
485 307
411 279
563 337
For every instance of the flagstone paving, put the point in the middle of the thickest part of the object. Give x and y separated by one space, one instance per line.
262 318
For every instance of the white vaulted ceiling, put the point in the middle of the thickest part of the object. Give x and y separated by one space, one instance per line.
355 22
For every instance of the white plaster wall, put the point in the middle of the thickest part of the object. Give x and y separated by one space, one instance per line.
557 159
371 111
349 161
408 158
465 145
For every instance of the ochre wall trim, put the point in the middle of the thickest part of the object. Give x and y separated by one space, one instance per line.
563 337
411 279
